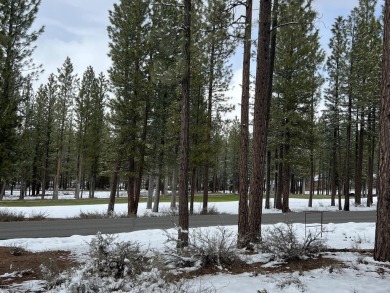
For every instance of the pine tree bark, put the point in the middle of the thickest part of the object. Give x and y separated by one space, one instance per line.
382 232
184 130
244 132
260 123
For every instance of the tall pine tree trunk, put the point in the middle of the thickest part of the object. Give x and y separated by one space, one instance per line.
260 123
382 232
184 130
244 132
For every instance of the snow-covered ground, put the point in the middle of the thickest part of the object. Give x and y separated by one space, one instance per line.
296 205
362 273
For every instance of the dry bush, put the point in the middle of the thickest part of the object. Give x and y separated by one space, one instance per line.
282 242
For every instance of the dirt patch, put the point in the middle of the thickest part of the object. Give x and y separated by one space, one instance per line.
18 265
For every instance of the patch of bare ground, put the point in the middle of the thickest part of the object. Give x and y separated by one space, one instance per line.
18 265
259 268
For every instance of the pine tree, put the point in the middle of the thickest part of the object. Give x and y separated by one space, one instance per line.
67 83
335 95
219 48
128 33
16 47
298 58
382 232
244 131
260 123
365 76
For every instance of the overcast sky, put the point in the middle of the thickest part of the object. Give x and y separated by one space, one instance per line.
78 29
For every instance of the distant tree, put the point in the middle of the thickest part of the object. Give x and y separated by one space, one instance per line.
219 49
365 77
16 69
382 232
45 124
335 97
128 32
67 85
296 85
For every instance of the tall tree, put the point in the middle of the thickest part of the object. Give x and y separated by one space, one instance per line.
66 94
219 48
128 33
184 130
365 77
297 82
260 123
244 130
382 232
16 47
335 96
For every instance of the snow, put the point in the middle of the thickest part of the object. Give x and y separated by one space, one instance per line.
361 274
296 205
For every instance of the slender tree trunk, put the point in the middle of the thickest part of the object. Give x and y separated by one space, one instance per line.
2 189
347 155
382 232
131 188
268 181
150 192
157 195
184 131
242 239
371 152
311 192
57 176
79 176
359 161
260 129
173 188
193 188
114 184
279 191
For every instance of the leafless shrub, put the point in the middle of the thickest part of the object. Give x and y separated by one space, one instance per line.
38 216
215 248
291 280
17 249
7 215
282 242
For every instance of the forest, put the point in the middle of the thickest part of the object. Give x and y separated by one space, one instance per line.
123 129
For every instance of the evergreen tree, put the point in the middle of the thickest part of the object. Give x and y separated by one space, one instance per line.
382 232
244 131
260 123
128 33
298 58
335 97
365 77
16 47
219 48
67 85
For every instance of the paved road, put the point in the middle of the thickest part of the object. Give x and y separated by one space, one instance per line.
63 228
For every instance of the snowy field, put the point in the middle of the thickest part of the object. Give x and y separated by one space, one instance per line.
296 205
360 274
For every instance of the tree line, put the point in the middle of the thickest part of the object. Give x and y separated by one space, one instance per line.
155 121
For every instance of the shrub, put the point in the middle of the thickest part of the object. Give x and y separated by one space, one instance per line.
38 216
116 259
7 215
206 249
282 242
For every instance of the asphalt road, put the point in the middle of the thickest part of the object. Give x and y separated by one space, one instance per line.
64 228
